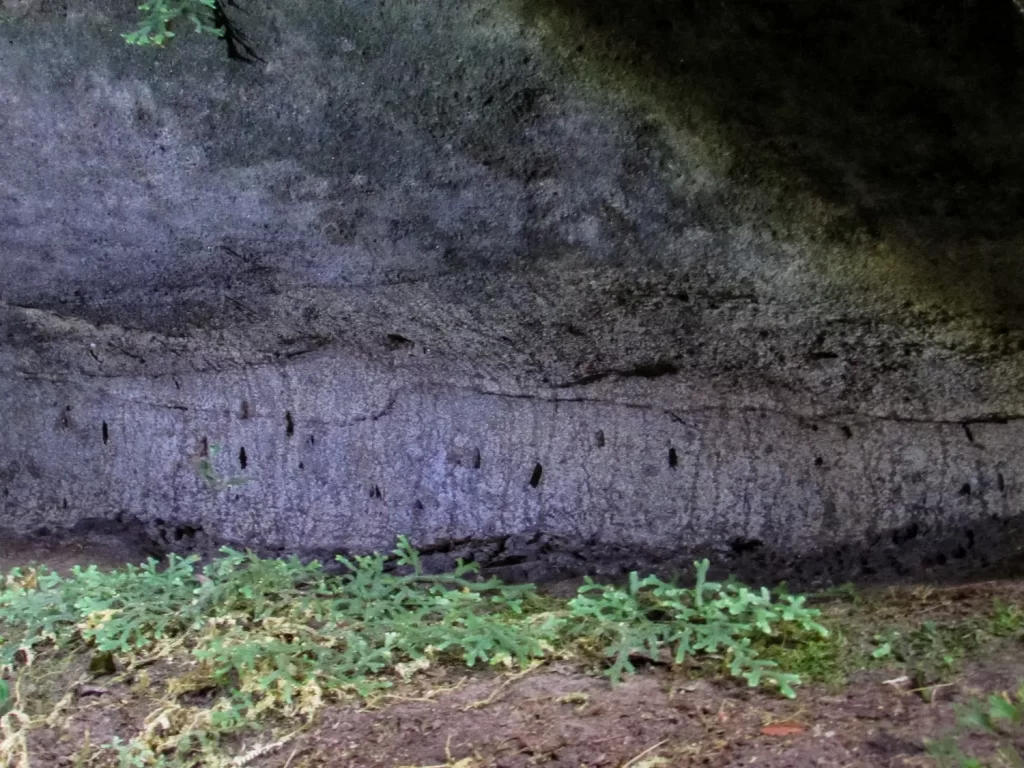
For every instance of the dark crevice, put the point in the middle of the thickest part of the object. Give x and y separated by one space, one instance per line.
742 546
186 532
993 418
289 424
398 341
909 532
834 418
237 42
983 550
582 381
643 370
651 370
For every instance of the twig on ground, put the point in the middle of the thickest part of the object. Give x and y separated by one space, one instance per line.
505 684
638 758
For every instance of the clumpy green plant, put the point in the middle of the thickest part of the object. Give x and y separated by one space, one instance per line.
159 17
1001 718
931 652
1007 619
260 641
812 656
711 618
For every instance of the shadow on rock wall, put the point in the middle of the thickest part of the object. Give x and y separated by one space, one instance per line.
899 119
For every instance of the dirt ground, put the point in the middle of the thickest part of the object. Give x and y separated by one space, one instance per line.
561 718
561 715
105 546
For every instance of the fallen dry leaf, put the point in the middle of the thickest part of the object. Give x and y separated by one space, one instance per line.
783 729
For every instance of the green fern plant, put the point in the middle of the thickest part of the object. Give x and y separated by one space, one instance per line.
160 15
711 618
270 639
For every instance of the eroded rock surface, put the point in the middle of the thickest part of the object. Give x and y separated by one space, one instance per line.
628 285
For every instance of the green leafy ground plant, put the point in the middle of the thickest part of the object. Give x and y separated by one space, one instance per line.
711 618
932 652
159 16
1000 717
265 641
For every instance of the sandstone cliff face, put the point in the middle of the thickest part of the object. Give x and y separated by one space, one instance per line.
604 280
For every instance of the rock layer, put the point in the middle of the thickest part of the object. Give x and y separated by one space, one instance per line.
549 275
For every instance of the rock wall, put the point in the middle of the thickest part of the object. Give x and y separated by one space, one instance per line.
568 282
